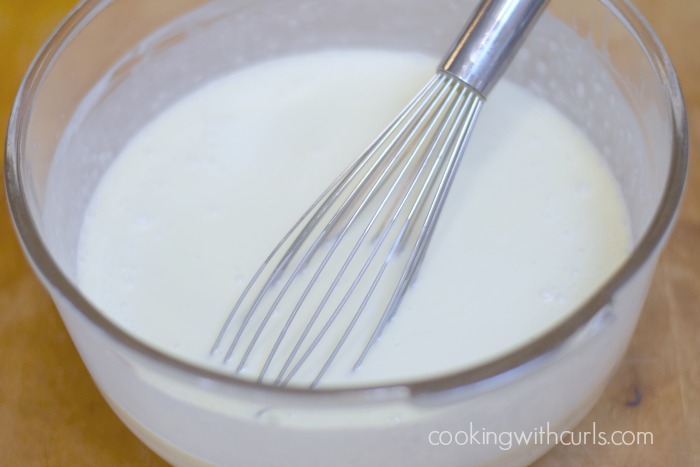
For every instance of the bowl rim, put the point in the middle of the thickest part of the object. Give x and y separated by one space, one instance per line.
57 282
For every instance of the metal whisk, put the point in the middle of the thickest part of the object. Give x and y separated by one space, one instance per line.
336 279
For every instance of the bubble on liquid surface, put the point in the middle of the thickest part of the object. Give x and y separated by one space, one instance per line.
552 295
583 190
239 279
542 67
144 222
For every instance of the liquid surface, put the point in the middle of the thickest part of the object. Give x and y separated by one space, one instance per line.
185 215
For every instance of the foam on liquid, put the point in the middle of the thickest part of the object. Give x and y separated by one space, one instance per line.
183 218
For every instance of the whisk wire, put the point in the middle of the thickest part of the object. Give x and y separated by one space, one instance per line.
467 118
418 151
425 131
412 129
318 208
355 213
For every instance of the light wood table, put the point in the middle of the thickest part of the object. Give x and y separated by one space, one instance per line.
52 414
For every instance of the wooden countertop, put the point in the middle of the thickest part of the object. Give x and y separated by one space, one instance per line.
52 414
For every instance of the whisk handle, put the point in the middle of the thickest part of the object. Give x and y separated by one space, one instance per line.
490 40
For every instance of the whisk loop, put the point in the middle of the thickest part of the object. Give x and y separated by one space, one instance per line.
335 280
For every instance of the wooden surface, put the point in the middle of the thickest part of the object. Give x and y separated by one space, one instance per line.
52 414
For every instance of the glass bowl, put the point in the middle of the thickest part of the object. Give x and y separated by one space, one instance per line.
112 65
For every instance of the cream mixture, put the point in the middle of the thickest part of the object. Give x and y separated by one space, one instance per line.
185 215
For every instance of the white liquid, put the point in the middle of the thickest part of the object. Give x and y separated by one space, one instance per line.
183 218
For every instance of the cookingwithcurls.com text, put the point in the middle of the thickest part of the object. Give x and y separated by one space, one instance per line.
544 435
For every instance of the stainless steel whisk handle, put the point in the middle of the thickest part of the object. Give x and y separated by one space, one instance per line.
490 40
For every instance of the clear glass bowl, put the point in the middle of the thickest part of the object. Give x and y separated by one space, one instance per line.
113 65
